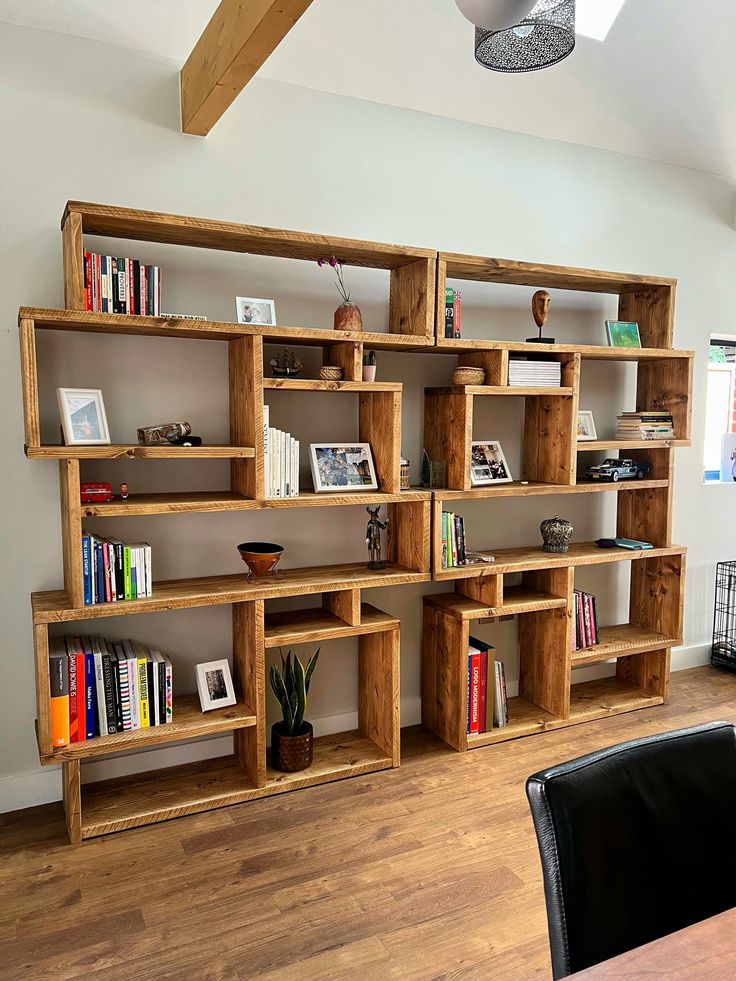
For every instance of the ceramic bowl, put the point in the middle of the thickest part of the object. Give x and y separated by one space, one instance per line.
260 557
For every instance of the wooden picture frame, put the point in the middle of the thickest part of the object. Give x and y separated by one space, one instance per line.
488 464
83 419
342 467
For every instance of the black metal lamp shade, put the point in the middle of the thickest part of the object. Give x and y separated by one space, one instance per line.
542 39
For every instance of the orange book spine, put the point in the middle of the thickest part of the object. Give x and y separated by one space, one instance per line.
59 687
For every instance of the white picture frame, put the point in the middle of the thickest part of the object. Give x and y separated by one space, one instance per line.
586 431
488 464
215 685
255 310
342 467
83 419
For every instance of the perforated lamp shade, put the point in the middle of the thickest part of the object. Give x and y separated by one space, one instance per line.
544 37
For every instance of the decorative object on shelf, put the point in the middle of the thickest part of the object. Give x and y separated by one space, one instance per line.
622 333
286 365
186 441
330 372
556 534
215 686
540 311
373 538
347 315
165 432
479 558
369 366
543 37
586 426
437 474
425 470
633 544
292 738
614 469
260 557
645 425
605 542
123 491
344 468
468 376
83 419
255 310
488 464
405 473
495 15
95 493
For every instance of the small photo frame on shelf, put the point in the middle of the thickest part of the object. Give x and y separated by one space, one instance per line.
342 468
586 426
622 333
488 464
252 310
215 685
83 419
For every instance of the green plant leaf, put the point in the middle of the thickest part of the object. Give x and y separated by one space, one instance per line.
310 668
279 690
301 694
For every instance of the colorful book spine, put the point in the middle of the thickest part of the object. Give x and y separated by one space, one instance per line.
449 311
474 701
59 688
457 314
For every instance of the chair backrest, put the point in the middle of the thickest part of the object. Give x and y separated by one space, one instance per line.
634 843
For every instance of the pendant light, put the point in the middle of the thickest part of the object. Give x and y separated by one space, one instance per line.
542 38
495 15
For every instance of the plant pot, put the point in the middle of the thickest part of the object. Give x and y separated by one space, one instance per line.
348 317
260 557
369 372
291 753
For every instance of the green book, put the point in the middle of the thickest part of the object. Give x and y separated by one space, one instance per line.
126 572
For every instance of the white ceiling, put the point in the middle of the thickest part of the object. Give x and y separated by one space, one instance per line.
662 85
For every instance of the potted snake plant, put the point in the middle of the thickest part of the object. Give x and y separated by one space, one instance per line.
292 739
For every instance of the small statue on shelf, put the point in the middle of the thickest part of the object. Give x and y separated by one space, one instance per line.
540 312
123 491
373 538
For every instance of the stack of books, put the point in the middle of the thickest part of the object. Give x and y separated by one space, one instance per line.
116 285
453 319
100 687
281 460
645 425
524 373
585 623
453 540
113 571
487 703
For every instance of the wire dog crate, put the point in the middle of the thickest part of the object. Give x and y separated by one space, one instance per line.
723 649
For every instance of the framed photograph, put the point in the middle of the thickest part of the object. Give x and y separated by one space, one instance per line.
83 418
488 464
342 468
586 426
251 310
215 686
621 333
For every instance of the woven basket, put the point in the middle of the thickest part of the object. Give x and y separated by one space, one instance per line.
468 376
330 374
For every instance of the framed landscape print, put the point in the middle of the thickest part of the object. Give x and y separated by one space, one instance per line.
488 464
347 467
622 333
83 419
586 426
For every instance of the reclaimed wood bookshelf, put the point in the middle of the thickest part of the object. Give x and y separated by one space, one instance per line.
542 599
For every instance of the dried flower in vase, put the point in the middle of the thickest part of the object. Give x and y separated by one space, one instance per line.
347 315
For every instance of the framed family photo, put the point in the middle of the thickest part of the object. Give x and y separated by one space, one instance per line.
83 419
251 310
342 468
215 685
622 333
586 426
488 464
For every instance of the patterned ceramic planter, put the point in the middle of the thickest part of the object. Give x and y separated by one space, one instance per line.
291 753
556 534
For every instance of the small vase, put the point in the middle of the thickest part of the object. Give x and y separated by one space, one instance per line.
369 372
291 753
348 317
556 534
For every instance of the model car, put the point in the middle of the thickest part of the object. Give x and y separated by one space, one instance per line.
616 470
94 493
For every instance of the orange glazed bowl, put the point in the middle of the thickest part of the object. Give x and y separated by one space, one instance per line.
260 557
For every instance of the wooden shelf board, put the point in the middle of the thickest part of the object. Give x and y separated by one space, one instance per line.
189 722
53 606
589 352
631 444
517 599
129 802
623 640
317 625
500 390
525 719
510 560
318 385
132 451
535 488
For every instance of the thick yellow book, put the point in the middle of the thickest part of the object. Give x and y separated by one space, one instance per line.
143 691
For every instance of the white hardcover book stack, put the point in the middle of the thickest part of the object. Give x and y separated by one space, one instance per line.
281 461
534 374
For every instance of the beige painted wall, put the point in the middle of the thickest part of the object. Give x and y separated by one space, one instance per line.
91 121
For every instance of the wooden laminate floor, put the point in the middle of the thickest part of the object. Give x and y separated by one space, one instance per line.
424 873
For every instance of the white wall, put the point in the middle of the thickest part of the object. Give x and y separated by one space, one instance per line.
94 122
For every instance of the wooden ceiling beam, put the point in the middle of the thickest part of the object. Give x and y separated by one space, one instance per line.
233 46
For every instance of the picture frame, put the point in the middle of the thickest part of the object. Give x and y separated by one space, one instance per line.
623 333
83 419
342 467
255 310
488 464
215 685
586 426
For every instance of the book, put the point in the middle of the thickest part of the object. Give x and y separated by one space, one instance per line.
99 688
73 694
59 690
457 314
143 686
474 691
483 695
119 284
90 699
449 311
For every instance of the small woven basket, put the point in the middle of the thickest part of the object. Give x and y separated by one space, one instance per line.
468 376
330 373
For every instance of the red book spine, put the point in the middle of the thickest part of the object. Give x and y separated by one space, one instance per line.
129 301
591 618
81 698
98 283
87 281
483 697
73 700
474 693
457 318
144 289
106 560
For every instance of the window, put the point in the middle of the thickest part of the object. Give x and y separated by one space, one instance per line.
719 459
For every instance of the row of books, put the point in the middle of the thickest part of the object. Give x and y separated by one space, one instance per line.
645 425
100 687
113 571
118 285
526 373
453 312
487 701
281 460
585 623
453 540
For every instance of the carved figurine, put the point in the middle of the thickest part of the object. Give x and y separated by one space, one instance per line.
373 538
124 491
540 312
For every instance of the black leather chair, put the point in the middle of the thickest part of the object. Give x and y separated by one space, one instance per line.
636 842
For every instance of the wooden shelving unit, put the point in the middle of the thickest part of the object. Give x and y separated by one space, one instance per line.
542 599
